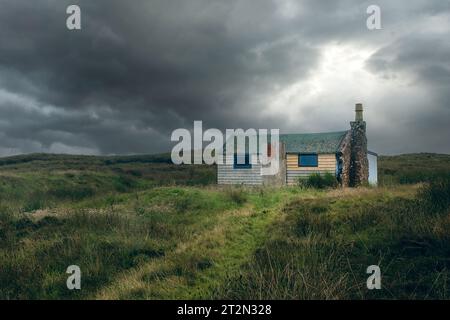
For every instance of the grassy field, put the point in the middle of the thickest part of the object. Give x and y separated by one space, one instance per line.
141 228
413 168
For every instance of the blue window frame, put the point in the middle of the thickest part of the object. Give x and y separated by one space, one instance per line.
243 163
308 160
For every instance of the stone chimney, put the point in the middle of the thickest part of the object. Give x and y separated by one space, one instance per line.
359 164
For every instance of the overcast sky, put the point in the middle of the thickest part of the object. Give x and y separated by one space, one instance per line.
139 69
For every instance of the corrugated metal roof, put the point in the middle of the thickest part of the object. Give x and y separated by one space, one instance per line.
326 142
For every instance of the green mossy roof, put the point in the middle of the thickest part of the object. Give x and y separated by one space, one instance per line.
326 142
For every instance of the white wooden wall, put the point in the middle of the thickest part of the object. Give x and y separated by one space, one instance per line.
226 174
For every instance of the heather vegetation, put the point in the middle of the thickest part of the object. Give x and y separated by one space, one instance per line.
142 228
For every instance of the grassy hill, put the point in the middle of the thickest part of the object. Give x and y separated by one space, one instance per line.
38 181
140 227
412 168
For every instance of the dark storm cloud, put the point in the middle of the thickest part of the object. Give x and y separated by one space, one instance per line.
157 65
424 61
425 57
137 70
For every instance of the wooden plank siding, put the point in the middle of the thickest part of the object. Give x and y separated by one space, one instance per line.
326 163
226 174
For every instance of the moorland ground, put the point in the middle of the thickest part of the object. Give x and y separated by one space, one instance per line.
142 228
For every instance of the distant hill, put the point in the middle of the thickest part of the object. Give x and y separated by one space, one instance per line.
403 169
412 168
71 160
57 176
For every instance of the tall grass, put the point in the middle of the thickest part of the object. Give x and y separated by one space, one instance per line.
35 254
237 195
116 217
322 247
436 194
104 241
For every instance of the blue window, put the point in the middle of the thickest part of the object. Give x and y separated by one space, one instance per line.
308 160
242 161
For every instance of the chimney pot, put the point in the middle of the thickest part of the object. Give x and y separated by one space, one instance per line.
359 112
